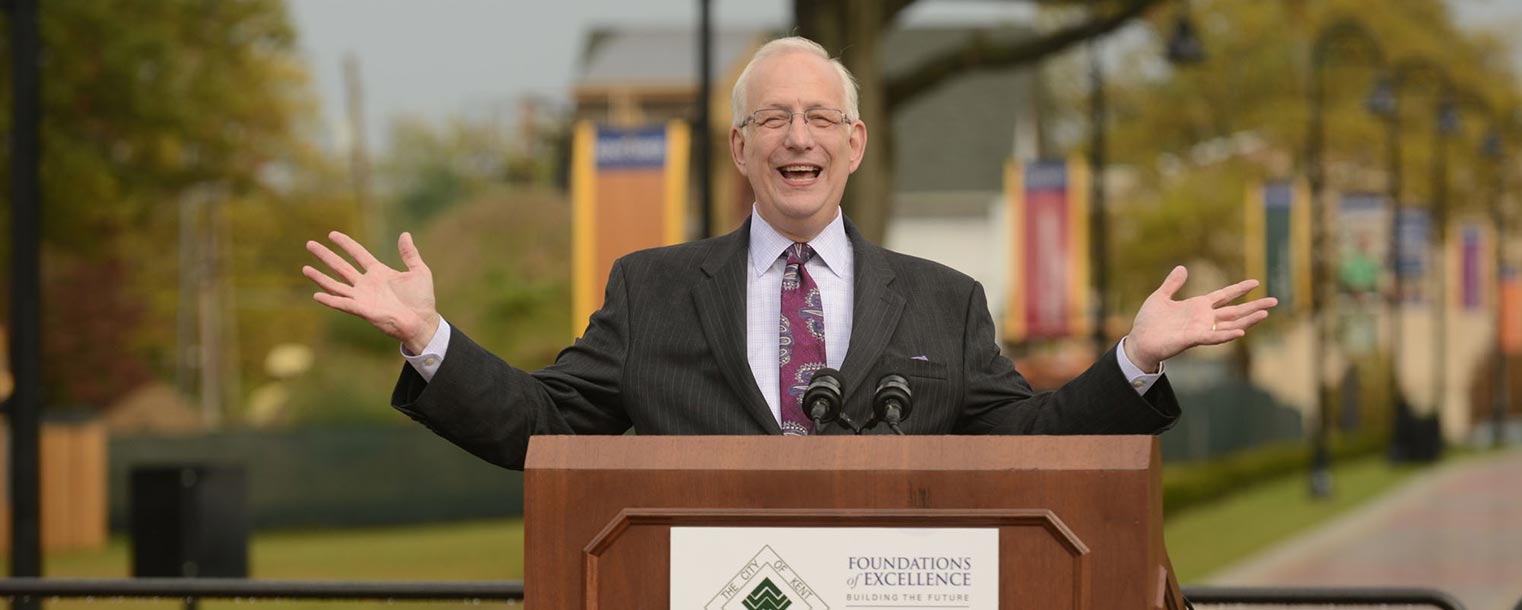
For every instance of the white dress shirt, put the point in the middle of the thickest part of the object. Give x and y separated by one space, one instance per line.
833 269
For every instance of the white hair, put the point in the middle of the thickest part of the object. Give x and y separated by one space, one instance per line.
781 46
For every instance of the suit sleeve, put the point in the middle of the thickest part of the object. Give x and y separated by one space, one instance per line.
998 400
491 409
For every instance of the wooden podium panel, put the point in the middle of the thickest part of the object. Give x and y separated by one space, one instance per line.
1079 518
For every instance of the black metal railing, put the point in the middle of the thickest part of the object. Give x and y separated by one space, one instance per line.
191 589
242 588
1322 596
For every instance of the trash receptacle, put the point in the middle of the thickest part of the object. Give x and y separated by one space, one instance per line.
189 521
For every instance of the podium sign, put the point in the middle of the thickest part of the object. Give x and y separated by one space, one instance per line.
800 568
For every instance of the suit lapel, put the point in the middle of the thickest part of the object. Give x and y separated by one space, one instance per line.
720 301
875 313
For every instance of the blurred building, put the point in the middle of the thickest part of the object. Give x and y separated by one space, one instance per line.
648 75
950 145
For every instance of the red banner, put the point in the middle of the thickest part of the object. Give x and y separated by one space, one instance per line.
1049 225
1511 312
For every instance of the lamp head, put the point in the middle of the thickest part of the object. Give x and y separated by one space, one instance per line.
1184 46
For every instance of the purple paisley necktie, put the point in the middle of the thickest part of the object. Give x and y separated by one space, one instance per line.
801 339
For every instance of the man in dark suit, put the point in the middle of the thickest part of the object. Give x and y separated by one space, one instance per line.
688 338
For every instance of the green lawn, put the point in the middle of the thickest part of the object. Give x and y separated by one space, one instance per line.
460 551
489 550
1200 541
1216 535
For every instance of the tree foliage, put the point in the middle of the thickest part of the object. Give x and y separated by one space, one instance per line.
1193 138
146 105
430 167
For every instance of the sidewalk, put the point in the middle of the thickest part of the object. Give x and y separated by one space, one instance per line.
1457 528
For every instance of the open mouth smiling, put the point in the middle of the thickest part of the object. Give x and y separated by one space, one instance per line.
800 173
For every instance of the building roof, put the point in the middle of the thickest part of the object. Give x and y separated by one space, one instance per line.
957 136
658 55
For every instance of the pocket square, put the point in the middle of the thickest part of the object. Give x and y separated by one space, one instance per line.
920 358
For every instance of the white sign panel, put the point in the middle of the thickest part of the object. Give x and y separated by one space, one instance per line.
835 568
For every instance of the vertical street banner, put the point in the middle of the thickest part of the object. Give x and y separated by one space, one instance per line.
1363 229
1413 230
1472 267
1049 245
1277 241
1511 310
628 192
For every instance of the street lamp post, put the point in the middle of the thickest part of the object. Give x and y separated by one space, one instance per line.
1184 48
1447 125
1099 249
704 132
1340 33
23 409
1501 387
1491 149
1386 104
1494 149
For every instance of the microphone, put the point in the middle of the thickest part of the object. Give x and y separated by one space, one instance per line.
892 403
821 399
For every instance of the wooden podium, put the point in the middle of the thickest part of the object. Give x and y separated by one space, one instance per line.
1079 517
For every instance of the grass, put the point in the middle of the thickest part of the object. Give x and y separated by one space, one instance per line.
487 550
1200 541
1211 537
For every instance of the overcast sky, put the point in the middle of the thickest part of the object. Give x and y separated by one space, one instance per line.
436 58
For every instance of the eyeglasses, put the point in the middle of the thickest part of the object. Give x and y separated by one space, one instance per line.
777 118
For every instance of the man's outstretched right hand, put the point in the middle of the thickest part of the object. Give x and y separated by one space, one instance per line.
399 303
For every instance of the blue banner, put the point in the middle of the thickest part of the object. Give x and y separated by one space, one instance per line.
1413 238
639 148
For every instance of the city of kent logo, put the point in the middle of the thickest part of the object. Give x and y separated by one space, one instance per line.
766 582
766 597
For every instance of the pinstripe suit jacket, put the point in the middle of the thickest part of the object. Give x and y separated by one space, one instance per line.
666 355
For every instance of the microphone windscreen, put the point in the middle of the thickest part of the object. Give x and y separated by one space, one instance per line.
892 391
821 399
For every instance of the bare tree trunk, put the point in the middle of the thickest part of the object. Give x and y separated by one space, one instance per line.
869 196
851 30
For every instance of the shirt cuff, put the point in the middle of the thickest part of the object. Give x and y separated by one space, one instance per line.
428 362
1139 380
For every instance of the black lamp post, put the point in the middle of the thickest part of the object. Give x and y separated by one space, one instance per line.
1184 48
1340 35
1491 148
703 129
23 408
1385 103
1494 149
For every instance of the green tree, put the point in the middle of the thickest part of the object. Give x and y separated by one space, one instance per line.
146 105
430 167
1194 138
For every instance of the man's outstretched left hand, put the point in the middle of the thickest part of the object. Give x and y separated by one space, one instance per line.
1164 328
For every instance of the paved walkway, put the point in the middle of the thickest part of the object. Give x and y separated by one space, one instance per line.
1457 527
